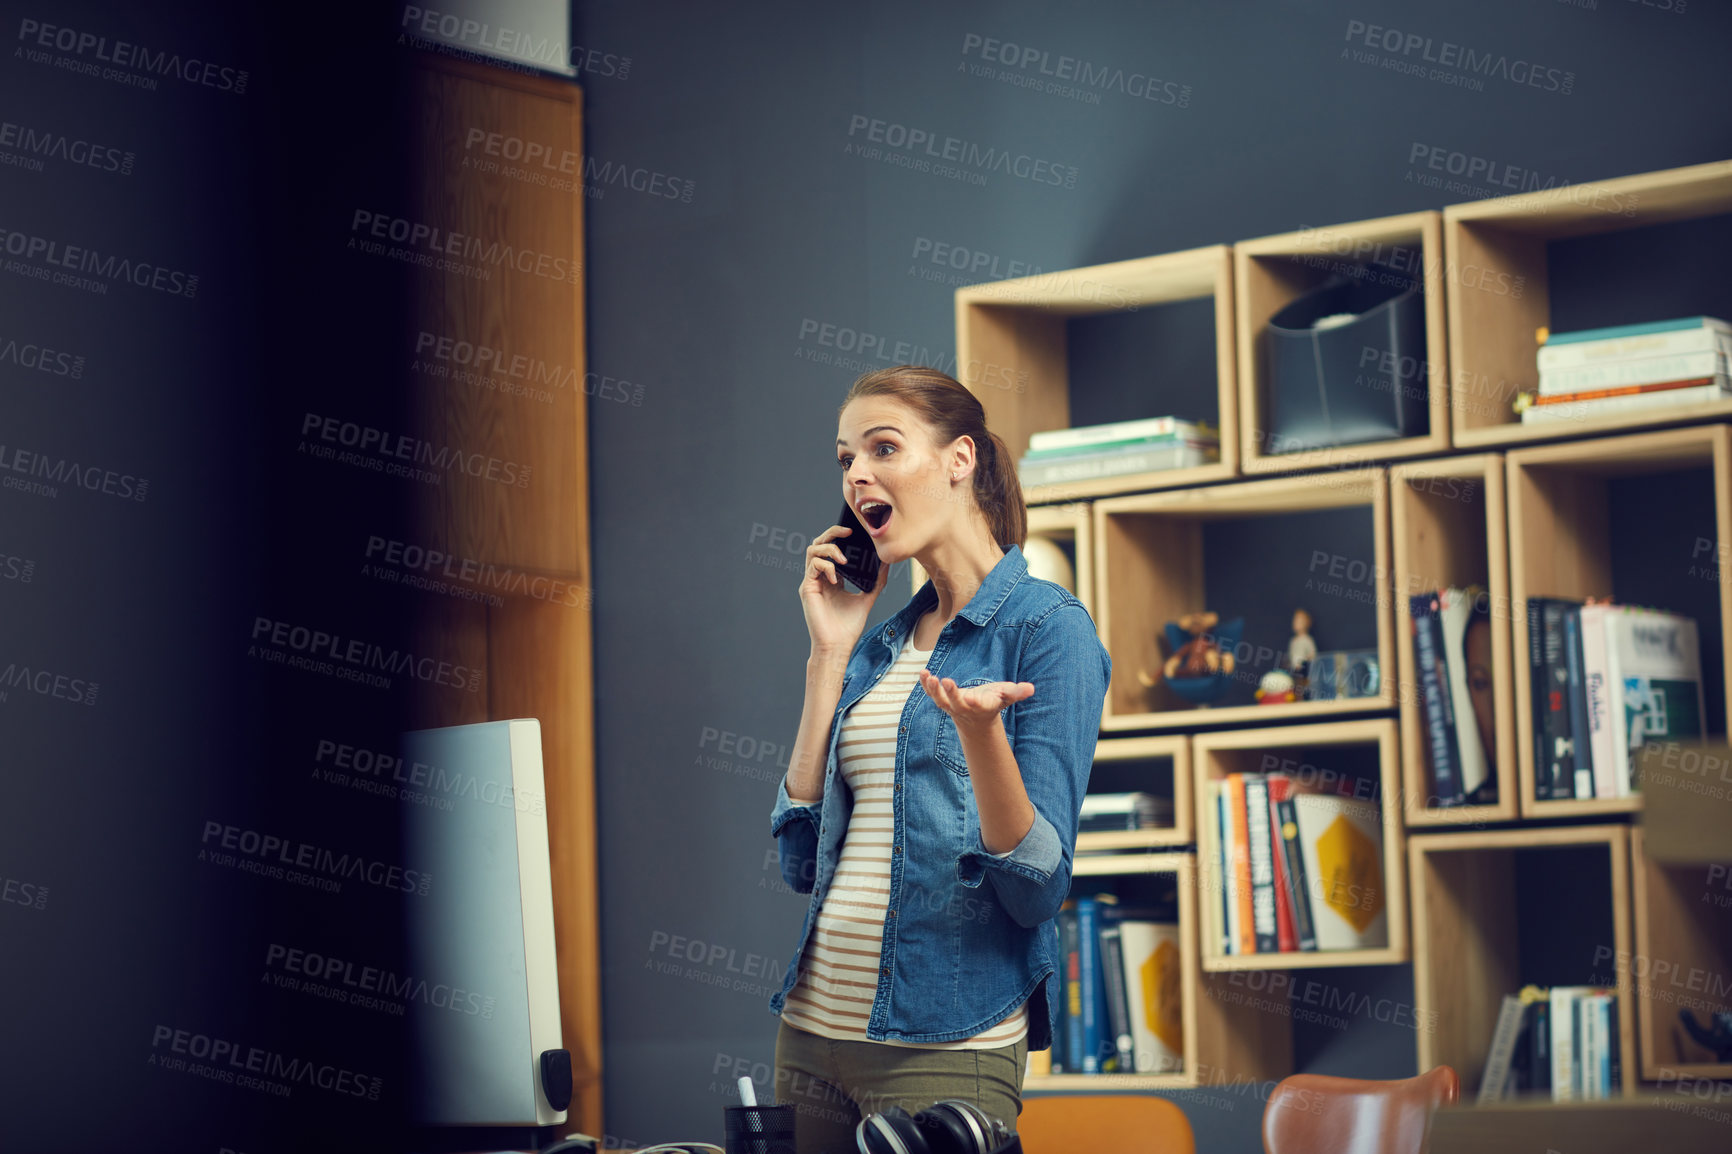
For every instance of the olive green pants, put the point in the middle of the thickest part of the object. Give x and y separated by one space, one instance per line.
831 1082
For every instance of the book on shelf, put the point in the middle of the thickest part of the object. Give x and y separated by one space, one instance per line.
1599 403
1239 861
1071 1060
1610 374
1103 812
1286 932
1091 435
1457 759
1117 462
1499 1059
1152 441
1549 678
1112 955
1581 746
1598 696
1154 994
1631 342
1295 889
1260 850
1224 866
1561 1043
1089 995
1654 680
1342 840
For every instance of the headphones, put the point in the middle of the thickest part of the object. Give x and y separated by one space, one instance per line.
948 1127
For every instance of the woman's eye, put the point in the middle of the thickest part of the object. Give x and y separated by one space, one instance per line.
886 445
843 462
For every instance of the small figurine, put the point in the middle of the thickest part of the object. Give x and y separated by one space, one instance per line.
1301 650
1201 656
1276 688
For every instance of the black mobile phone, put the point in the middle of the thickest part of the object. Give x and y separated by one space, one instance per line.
861 566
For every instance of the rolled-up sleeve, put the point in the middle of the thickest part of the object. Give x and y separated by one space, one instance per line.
794 825
1057 728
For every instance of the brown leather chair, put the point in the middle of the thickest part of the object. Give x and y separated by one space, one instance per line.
1315 1114
1120 1123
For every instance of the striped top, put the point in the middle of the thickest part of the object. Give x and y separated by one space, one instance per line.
839 971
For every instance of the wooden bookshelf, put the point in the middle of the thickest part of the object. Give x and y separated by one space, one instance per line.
1222 1035
1150 569
1012 343
1682 959
1499 295
1303 751
1071 527
1131 754
1560 546
1447 518
1467 942
1273 271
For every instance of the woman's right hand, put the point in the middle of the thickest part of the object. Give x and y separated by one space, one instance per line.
834 616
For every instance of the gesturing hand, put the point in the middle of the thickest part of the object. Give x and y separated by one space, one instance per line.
975 708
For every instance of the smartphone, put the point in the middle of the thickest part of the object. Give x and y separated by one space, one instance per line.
861 566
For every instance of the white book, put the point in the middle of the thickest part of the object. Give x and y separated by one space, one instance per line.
1598 695
1563 1031
1576 353
1116 431
1588 1061
1655 670
1637 371
1115 464
1152 960
1629 402
1343 874
1454 612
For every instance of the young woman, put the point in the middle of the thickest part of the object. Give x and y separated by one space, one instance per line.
931 802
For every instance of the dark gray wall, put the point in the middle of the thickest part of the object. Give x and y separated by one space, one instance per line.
716 305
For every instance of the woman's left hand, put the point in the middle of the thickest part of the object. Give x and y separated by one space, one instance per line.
975 708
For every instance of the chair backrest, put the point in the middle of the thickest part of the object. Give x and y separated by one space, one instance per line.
1120 1123
1316 1114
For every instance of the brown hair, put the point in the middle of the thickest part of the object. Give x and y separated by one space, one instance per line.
951 411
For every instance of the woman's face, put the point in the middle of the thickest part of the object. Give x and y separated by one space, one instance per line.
896 479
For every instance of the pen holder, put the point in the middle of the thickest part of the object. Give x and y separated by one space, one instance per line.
759 1129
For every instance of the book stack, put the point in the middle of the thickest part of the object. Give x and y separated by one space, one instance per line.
1117 812
1121 1012
1301 870
1089 452
1459 765
1561 1043
1607 679
1593 372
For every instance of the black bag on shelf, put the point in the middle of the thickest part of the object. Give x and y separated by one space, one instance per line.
1364 379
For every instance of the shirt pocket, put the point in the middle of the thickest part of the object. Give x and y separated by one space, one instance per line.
949 745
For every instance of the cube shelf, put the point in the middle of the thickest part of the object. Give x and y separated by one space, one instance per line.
1012 348
1070 527
1448 520
1303 751
1499 293
1150 569
1122 762
1682 959
1485 924
1220 1035
1274 270
1561 546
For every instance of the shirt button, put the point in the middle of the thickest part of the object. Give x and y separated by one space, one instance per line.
899 787
890 913
895 849
885 971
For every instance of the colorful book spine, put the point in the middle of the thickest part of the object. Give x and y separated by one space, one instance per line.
1241 861
1580 743
1446 786
1075 1054
1224 868
1118 997
1261 851
1598 695
1088 970
1572 354
1645 328
1707 391
1293 858
1084 435
1286 936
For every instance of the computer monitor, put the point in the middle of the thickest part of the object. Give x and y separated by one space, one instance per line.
485 1047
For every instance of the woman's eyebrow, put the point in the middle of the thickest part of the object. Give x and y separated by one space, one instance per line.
873 429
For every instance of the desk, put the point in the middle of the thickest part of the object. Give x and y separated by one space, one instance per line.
1662 1122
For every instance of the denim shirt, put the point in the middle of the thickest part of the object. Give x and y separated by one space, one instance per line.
959 956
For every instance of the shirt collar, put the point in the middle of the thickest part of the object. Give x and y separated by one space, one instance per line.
1010 569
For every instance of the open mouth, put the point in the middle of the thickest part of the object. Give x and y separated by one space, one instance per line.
875 515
